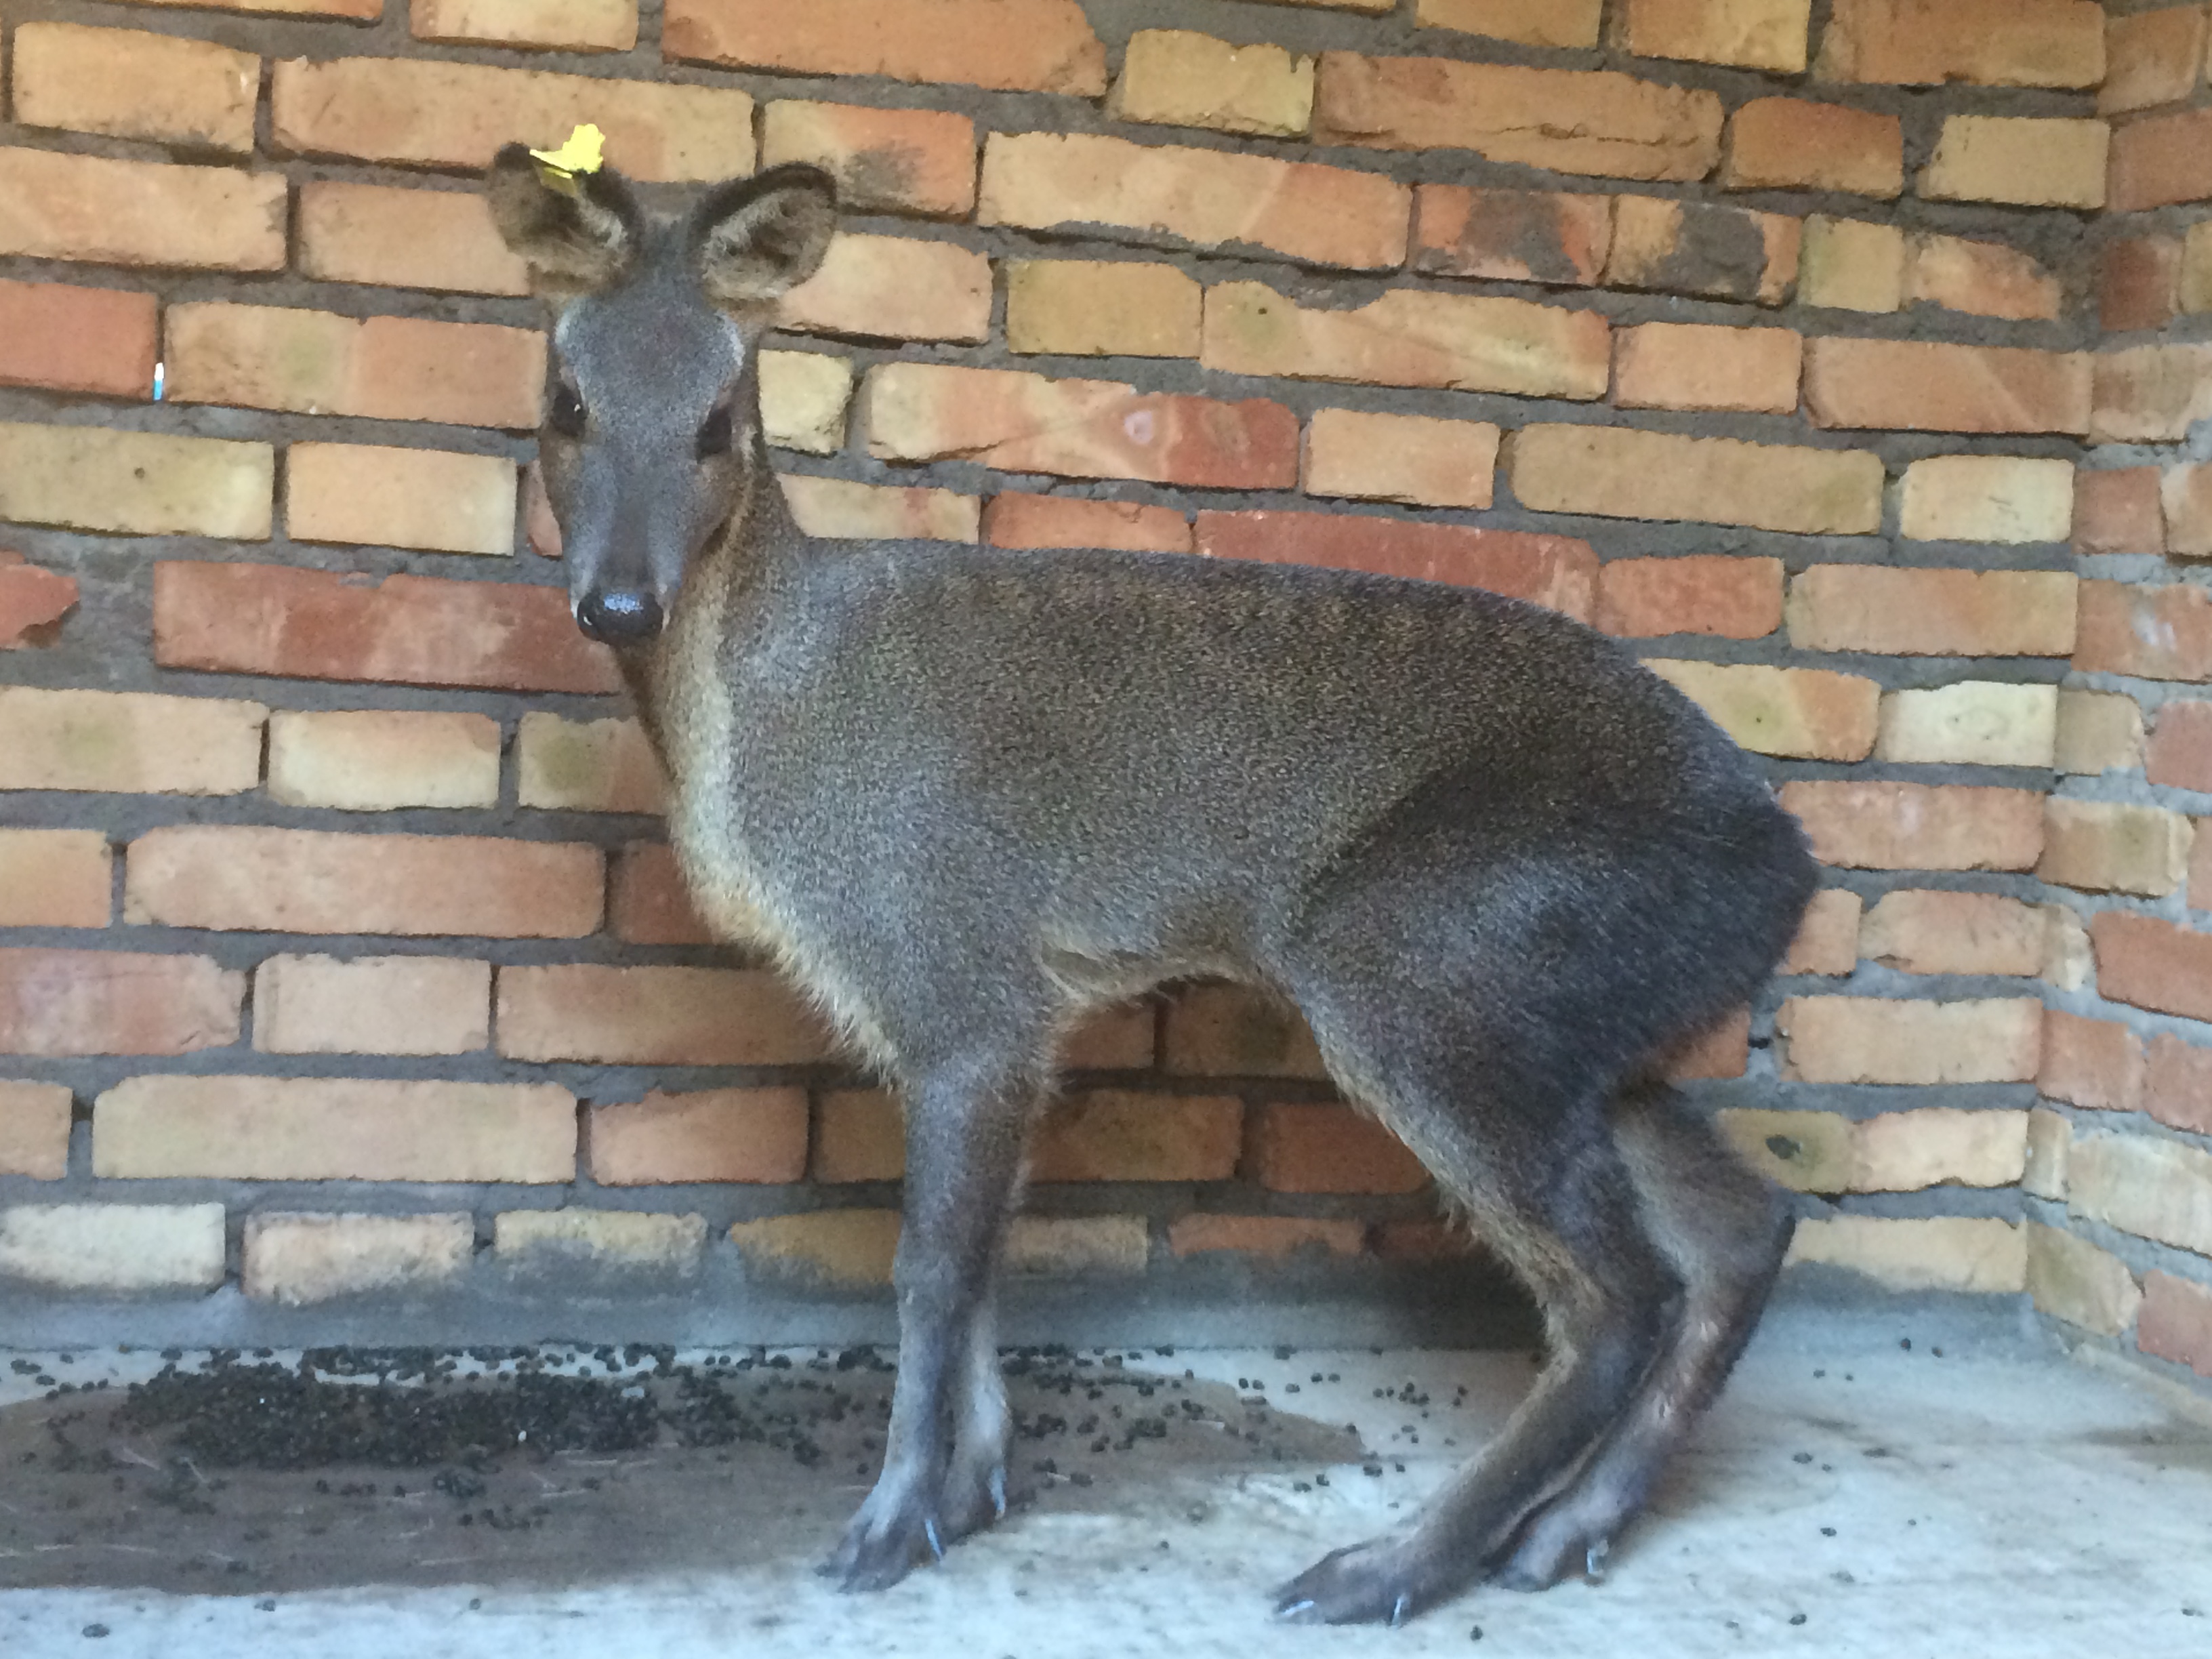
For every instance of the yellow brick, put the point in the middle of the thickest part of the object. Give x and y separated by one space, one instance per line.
388 497
828 1247
1942 1253
377 760
1805 1151
129 84
58 206
2110 846
1530 23
2026 162
371 1005
1802 713
2005 499
296 1259
34 1130
839 508
136 483
128 742
624 1241
113 1248
559 25
1767 35
804 396
1617 473
1415 458
1873 1040
1175 78
1940 1146
1850 265
588 766
55 878
1101 308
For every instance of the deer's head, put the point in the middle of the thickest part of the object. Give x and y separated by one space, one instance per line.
652 439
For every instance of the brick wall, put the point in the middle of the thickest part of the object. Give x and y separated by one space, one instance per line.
339 949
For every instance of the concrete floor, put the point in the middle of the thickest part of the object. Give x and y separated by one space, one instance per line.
1977 1496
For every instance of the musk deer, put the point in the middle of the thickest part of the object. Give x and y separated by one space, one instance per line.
966 795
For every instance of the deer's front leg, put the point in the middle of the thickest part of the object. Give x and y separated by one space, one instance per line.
963 1135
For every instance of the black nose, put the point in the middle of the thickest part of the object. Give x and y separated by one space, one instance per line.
620 617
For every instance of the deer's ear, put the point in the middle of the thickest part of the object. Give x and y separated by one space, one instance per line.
574 244
757 238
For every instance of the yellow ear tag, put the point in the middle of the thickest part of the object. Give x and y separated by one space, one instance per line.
582 153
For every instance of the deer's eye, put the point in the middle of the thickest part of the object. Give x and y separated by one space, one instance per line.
714 433
566 416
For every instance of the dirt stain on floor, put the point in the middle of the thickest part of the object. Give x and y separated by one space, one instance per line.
554 1466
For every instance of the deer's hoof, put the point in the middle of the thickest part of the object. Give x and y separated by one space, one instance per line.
1382 1582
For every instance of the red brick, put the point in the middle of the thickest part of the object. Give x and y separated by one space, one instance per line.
1913 386
2152 633
2118 511
126 83
753 1135
2187 495
34 1130
1206 198
1231 1031
270 1128
1707 366
2180 754
1982 279
2152 394
1787 143
1565 120
1557 571
95 340
563 24
115 1002
1015 519
1512 235
2177 1085
2093 1063
1915 826
1329 1149
655 1017
405 630
33 603
54 877
1120 1039
1827 941
647 902
1917 931
389 368
1007 46
1021 422
2175 1321
436 114
442 239
885 160
1275 1237
58 206
2139 284
1731 597
2152 58
1114 1135
2161 161
1933 613
2154 964
322 1004
2000 43
1705 249
893 287
311 881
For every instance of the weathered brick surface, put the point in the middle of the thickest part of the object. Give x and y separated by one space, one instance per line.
419 498
60 206
2002 43
804 396
1512 235
1933 613
2021 160
406 630
1179 77
834 1250
1706 366
885 160
1226 1030
1557 571
391 368
750 1135
59 337
2118 510
654 1016
895 289
2151 394
2175 1321
1414 459
34 1130
1789 144
1040 45
1015 519
2152 58
2102 732
1564 120
1917 826
34 603
1736 599
316 881
1971 723
1063 1246
1983 1256
2161 160
2139 282
1328 1149
115 1002
1076 429
1827 941
128 742
2072 1279
1984 279
2156 632
376 760
298 1259
2050 1142
1318 215
587 766
1920 931
1768 35
2151 963
564 1244
1801 713
1805 1151
2186 493
1530 23
2177 1083
1618 472
564 24
2096 1063
421 114
1102 308
1706 249
1917 385
268 1128
114 1249
2180 751
54 877
434 239
136 483
1107 1135
1462 343
2112 848
2156 1189
1910 1152
129 84
1988 498
371 1005
1847 264
1869 1040
840 507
